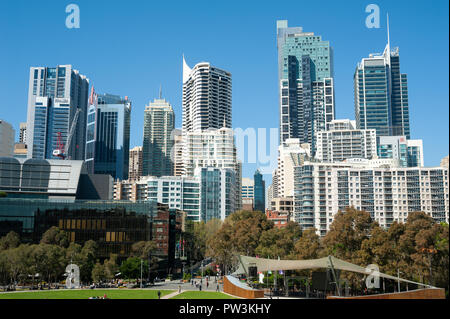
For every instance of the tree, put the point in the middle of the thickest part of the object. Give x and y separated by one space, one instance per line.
52 261
111 267
55 236
247 227
99 272
278 242
382 248
307 246
88 257
345 237
347 232
239 234
143 249
131 268
16 259
3 194
221 247
4 268
11 240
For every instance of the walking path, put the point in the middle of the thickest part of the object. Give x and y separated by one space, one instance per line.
173 294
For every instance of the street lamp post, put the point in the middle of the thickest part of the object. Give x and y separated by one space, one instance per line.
141 274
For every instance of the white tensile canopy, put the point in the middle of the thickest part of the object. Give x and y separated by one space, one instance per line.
264 264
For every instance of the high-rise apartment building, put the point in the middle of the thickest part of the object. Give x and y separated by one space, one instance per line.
159 122
7 135
259 192
388 192
206 97
108 135
56 97
212 148
305 74
177 153
381 94
291 153
135 164
408 152
342 140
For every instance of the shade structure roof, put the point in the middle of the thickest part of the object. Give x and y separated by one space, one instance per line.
264 264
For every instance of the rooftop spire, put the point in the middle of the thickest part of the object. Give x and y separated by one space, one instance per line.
186 70
388 37
160 91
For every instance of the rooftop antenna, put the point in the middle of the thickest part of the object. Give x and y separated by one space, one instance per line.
160 91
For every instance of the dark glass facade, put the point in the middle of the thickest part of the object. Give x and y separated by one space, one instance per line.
259 192
115 226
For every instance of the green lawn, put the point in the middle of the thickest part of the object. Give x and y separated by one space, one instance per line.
202 295
85 294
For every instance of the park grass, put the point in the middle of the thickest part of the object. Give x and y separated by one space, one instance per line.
202 295
85 294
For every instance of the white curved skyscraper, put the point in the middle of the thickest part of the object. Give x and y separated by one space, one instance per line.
206 97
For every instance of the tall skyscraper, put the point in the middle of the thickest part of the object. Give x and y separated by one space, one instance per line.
305 74
108 135
7 135
381 94
135 164
206 97
56 96
159 122
259 192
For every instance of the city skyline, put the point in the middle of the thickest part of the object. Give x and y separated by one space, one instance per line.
247 98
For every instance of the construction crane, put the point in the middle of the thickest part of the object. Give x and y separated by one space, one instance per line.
62 150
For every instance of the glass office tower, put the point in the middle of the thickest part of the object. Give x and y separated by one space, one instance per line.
54 97
381 94
108 135
259 192
159 122
305 74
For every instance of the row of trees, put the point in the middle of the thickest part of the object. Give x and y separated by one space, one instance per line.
21 262
418 249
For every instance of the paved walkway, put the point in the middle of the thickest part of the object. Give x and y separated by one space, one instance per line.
173 294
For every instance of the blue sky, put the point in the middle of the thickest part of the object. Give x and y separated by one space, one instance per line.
131 47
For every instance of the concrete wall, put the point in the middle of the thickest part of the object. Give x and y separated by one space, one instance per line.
234 290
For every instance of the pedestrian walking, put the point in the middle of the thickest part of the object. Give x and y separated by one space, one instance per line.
217 289
200 287
179 289
207 285
159 294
